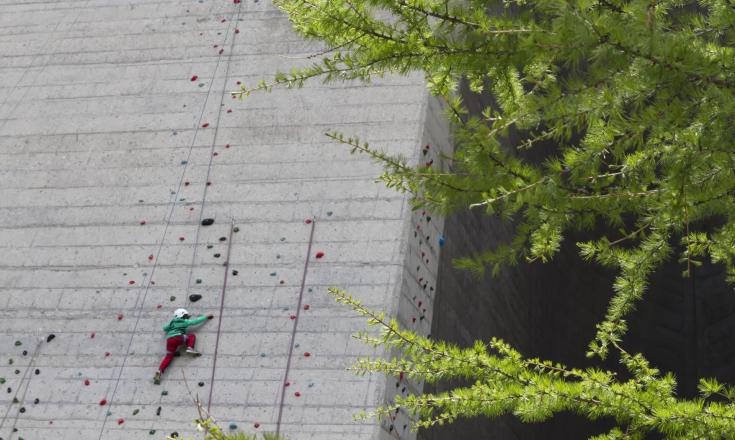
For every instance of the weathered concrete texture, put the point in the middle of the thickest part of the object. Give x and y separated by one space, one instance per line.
107 151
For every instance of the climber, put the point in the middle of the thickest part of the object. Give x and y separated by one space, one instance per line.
177 337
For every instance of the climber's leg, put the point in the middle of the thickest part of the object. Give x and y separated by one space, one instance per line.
190 340
172 344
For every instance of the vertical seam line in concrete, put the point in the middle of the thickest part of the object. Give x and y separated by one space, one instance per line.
293 331
219 318
138 307
211 151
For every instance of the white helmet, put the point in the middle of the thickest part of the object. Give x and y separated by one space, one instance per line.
180 313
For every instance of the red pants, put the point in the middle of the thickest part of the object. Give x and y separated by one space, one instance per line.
173 344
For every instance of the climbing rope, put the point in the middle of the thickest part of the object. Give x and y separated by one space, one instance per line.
146 287
293 330
219 317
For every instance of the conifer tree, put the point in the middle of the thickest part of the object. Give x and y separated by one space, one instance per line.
637 98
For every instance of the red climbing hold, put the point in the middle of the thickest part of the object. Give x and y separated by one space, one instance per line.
209 183
194 78
297 394
223 20
220 51
181 238
293 317
413 319
306 306
229 110
142 222
307 354
238 83
131 282
159 306
205 125
307 221
119 316
120 421
216 46
107 354
91 336
150 257
237 31
256 425
237 2
227 145
215 154
86 382
187 183
287 383
103 402
320 254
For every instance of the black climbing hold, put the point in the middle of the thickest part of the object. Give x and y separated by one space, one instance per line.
174 435
35 401
201 384
236 229
223 239
50 337
207 222
25 352
10 390
199 281
37 371
158 411
209 246
195 297
217 255
152 431
17 371
234 273
15 400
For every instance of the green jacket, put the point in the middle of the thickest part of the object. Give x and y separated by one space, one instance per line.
177 326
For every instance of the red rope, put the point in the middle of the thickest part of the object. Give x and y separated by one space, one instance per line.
219 318
293 331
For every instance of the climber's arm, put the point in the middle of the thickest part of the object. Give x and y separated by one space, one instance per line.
196 321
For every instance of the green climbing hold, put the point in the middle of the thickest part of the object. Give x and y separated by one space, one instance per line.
164 393
109 413
236 229
329 213
173 298
262 355
233 426
2 380
283 238
136 411
199 281
18 343
152 431
310 289
273 274
10 362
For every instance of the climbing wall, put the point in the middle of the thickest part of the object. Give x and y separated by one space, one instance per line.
131 184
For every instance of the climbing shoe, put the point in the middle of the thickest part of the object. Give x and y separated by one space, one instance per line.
192 352
157 378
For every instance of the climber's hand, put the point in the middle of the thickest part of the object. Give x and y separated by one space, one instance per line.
210 316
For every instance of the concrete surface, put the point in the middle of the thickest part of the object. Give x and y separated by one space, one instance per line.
104 164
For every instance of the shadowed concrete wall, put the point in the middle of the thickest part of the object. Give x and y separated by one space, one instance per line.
117 137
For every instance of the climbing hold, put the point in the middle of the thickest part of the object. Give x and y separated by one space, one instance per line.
184 162
273 274
182 238
256 425
205 125
287 383
227 145
36 401
159 306
441 241
195 297
103 402
297 394
25 352
86 382
293 317
207 222
209 246
319 254
120 421
237 31
310 289
136 411
158 411
194 78
107 354
37 372
261 355
283 238
18 343
2 380
217 255
201 384
307 306
198 281
220 51
311 385
164 393
329 213
17 371
15 400
281 282
234 273
307 354
236 229
120 316
50 337
131 282
152 431
150 257
233 426
229 110
92 335
22 409
307 221
428 218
